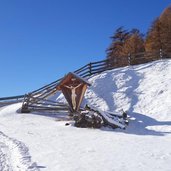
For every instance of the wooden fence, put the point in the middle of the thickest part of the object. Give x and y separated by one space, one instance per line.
10 100
91 69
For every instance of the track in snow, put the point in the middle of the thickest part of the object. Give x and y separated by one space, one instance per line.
4 158
14 155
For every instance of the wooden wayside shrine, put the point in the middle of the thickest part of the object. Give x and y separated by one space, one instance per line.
73 87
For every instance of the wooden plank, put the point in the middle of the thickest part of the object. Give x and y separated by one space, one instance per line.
46 86
99 61
44 89
98 72
85 66
42 96
12 97
99 65
85 69
49 104
48 108
99 69
45 100
85 73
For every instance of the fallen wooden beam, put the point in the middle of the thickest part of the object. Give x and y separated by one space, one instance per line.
114 122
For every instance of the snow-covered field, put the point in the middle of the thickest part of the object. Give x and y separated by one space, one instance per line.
40 142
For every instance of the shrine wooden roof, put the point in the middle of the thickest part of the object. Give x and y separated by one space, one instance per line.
69 78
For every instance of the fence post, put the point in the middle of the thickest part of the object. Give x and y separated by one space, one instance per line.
90 68
129 59
24 108
161 54
108 64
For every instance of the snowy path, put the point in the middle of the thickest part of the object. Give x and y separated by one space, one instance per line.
14 155
4 158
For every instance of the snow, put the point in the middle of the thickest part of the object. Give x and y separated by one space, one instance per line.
41 142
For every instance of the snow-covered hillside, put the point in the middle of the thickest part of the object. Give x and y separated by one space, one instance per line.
42 142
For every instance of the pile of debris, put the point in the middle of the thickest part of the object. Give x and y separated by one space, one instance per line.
94 118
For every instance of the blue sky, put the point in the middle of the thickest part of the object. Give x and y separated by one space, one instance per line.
41 40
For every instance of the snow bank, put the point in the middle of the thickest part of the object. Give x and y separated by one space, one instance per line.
137 88
142 90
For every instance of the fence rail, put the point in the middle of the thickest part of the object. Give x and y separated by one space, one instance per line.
10 100
91 69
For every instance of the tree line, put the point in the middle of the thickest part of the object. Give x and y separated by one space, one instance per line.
158 37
